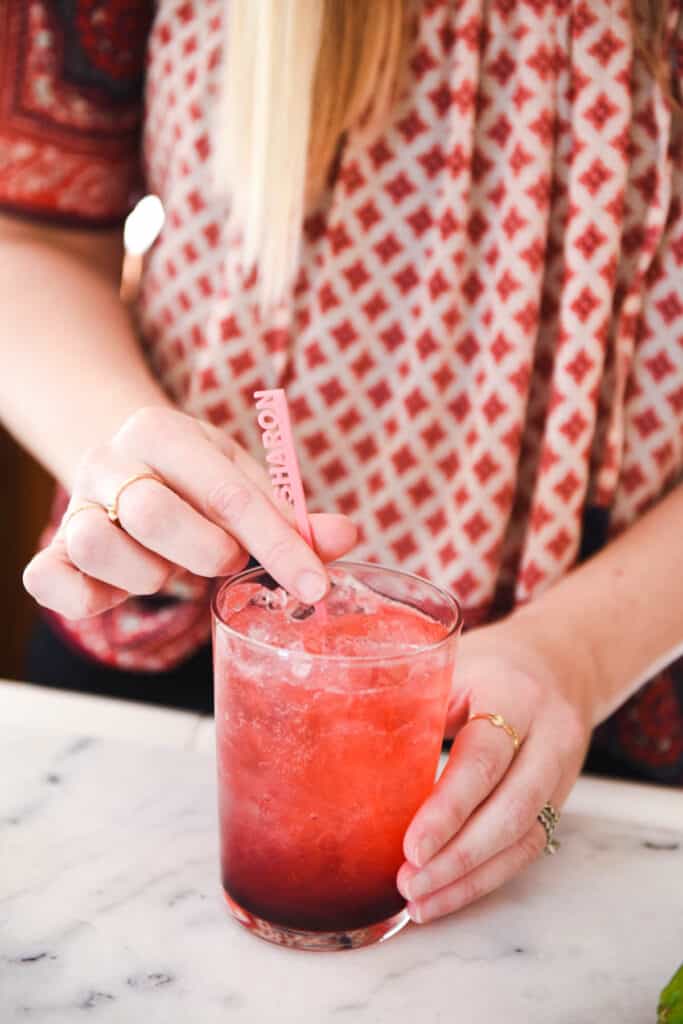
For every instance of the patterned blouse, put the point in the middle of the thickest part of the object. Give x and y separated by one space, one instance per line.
483 346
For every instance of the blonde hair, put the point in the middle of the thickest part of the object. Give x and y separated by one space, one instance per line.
298 74
651 21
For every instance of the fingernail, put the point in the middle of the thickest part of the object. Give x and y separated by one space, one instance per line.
311 586
414 913
416 887
424 851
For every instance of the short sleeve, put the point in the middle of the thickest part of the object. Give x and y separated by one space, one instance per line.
71 88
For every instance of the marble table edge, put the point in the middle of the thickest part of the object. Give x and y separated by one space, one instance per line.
43 709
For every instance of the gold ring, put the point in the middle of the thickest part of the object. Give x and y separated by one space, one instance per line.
80 508
549 818
500 723
112 509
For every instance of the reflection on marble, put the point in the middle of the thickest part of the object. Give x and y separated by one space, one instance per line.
110 906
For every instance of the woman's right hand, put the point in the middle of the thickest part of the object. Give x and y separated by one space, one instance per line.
209 510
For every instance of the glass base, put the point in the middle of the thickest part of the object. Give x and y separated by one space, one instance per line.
321 942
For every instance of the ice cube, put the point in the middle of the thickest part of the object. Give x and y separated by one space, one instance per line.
272 600
350 596
258 633
301 667
301 612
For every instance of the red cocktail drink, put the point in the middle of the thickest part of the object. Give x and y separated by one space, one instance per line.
328 735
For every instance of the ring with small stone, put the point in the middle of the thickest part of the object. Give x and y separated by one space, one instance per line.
549 819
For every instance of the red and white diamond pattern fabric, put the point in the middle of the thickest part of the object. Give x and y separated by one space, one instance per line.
646 207
652 415
590 171
486 329
653 407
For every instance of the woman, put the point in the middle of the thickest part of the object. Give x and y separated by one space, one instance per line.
479 329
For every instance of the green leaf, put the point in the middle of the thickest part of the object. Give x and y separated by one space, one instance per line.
670 1009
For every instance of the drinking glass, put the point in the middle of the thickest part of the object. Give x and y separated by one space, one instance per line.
324 758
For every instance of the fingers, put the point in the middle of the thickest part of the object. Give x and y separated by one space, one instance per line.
333 535
57 584
478 761
499 823
252 469
220 491
484 879
95 546
212 506
161 521
151 514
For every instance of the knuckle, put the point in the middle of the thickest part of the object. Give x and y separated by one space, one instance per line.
228 502
140 425
521 812
142 508
89 466
485 769
534 690
464 861
84 542
281 550
470 890
451 822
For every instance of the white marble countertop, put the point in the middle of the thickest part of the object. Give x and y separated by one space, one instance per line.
110 903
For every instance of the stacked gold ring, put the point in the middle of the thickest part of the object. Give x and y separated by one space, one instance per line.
549 819
79 508
112 508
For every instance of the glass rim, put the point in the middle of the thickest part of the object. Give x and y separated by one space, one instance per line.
286 652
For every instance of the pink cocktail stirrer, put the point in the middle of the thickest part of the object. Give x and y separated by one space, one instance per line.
283 465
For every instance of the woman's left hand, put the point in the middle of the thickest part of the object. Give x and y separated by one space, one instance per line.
479 826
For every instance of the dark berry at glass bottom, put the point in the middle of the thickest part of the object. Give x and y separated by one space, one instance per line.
328 733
